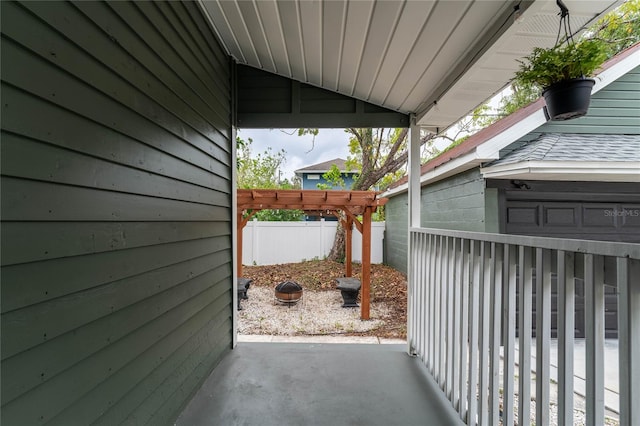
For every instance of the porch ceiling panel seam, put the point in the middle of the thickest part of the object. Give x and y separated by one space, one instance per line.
427 68
385 50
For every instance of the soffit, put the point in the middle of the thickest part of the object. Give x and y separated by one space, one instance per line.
438 59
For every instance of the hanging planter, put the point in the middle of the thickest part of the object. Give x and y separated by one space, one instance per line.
568 99
562 73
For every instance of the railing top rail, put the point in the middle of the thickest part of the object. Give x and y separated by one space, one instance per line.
604 248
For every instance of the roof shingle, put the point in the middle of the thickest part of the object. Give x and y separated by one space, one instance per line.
576 147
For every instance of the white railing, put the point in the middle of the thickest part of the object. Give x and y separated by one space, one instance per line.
463 313
269 243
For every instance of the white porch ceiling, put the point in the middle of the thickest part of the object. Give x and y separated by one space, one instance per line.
438 59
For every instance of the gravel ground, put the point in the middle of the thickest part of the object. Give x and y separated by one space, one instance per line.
579 415
318 312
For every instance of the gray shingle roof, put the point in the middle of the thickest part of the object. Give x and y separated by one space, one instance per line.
576 147
326 166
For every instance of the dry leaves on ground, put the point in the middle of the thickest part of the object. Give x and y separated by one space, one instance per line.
388 291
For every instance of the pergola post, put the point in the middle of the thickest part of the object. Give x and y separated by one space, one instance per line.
352 203
366 263
348 228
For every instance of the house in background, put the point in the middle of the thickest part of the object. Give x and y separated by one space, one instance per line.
576 179
523 175
311 176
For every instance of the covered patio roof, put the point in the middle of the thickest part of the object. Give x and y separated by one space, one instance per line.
436 59
352 203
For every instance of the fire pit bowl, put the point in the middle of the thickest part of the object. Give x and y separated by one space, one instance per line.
288 292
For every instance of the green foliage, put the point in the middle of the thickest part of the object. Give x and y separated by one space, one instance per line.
390 178
334 178
521 95
280 215
619 28
261 171
614 32
479 118
482 117
545 67
377 155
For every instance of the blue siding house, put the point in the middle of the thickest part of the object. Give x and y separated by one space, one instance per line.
311 176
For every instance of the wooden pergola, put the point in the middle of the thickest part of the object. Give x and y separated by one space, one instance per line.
317 202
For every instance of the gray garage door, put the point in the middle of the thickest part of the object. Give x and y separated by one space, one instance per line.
605 221
606 212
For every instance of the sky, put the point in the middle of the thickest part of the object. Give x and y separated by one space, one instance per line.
329 144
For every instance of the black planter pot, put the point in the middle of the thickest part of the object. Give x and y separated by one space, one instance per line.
568 99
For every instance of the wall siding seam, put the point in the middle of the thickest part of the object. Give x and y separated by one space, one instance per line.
89 360
202 247
219 109
173 187
26 342
99 118
119 97
41 241
157 155
58 114
199 375
178 345
118 10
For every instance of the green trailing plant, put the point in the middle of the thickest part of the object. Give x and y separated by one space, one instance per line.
566 61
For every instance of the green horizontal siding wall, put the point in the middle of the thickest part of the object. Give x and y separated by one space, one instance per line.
396 232
116 210
456 203
613 110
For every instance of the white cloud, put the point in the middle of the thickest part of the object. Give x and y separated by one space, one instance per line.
300 151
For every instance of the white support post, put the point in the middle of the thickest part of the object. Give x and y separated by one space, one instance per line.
566 325
543 334
594 323
234 238
414 220
629 335
497 254
414 174
524 336
509 333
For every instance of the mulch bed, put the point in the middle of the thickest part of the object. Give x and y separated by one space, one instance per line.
387 285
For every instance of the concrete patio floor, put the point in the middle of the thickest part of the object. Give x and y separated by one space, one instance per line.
284 383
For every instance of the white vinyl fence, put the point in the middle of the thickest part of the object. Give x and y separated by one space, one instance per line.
270 243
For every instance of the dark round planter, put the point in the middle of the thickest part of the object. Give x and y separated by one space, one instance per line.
568 99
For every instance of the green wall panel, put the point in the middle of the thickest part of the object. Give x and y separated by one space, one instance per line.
461 202
396 232
455 203
116 294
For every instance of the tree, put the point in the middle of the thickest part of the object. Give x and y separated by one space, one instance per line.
262 171
334 178
619 28
379 156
